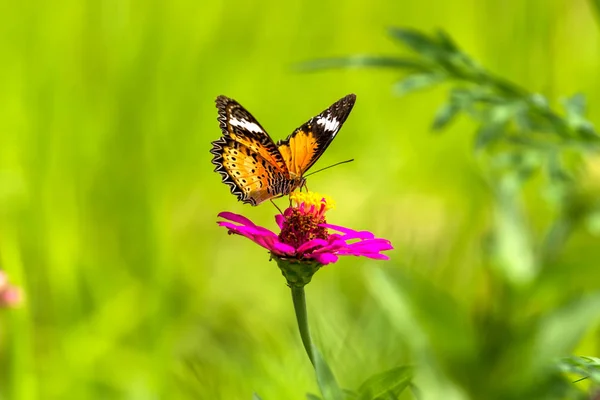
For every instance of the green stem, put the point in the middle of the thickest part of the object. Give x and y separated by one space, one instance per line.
302 318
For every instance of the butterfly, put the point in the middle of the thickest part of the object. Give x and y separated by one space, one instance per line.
258 169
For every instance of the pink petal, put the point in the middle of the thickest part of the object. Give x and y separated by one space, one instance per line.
349 233
312 244
240 219
258 239
259 235
325 258
240 230
265 241
279 219
283 249
377 256
374 245
254 230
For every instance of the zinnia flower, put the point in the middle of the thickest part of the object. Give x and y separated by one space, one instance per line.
306 241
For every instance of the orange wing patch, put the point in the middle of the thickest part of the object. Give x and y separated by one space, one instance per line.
298 151
308 142
250 176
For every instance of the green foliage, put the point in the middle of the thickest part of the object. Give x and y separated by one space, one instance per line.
506 350
325 378
387 385
585 367
108 199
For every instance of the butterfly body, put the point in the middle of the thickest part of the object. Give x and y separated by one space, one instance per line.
258 169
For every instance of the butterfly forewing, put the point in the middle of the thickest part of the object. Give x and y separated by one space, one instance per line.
307 143
238 124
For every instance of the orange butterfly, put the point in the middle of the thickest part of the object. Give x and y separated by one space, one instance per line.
254 166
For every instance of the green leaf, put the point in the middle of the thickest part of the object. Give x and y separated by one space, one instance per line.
444 115
256 397
386 385
325 378
526 120
362 61
575 107
446 42
417 82
555 169
488 133
588 367
348 395
418 42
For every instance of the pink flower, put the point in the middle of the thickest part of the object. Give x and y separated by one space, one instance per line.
305 235
10 296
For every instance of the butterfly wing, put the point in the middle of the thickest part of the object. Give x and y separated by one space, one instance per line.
246 157
307 143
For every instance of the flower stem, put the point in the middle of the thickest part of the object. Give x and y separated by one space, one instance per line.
302 318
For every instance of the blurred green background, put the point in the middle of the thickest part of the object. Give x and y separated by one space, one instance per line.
108 199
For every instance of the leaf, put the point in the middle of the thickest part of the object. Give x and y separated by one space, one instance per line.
446 42
575 107
555 169
360 61
386 385
348 395
526 120
417 82
588 367
488 133
325 378
256 397
444 115
417 42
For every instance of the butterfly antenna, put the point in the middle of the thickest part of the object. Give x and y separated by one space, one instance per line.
333 165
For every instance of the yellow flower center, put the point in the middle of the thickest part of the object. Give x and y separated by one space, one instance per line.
303 219
312 199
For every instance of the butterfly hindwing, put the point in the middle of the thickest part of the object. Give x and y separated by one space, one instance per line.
307 143
251 178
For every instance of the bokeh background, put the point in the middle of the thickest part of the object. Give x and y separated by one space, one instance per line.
108 199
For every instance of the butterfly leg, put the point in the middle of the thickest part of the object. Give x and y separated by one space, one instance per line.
272 202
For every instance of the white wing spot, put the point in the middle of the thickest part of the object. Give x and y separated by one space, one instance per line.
249 126
329 124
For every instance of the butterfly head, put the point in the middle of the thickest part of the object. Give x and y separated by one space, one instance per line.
297 181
